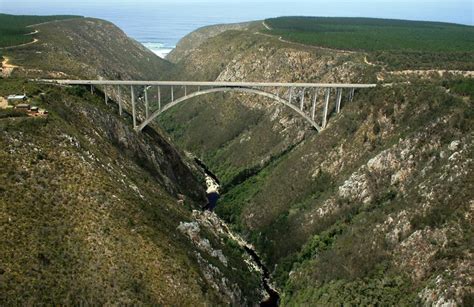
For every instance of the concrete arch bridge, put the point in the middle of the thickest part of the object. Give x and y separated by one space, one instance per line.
302 98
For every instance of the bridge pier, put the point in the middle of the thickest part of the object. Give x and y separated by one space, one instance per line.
119 98
338 100
351 94
302 99
313 109
105 95
291 94
159 98
326 106
146 101
133 108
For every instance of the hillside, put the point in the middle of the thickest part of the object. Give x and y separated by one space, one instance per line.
192 41
376 209
398 44
85 48
91 211
14 30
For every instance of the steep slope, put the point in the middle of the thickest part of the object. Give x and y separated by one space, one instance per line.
92 212
256 129
191 42
14 30
375 209
85 48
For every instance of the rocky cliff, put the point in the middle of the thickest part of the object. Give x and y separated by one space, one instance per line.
375 209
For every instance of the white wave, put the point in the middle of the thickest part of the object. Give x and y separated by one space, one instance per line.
158 48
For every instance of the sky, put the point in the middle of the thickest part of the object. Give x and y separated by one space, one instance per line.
457 11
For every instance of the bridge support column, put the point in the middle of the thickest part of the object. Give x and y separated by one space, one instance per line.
119 97
291 95
313 109
338 100
133 108
159 98
351 94
302 100
146 101
172 93
326 105
92 89
105 95
185 90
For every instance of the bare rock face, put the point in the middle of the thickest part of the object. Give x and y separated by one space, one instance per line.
356 188
192 230
448 288
155 153
206 227
390 173
415 252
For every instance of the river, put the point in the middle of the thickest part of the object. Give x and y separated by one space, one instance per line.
273 297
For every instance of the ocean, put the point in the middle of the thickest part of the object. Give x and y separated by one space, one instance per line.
160 24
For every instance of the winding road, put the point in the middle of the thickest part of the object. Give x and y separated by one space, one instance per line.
6 67
35 31
281 39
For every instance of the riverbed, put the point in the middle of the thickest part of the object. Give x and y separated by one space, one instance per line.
272 296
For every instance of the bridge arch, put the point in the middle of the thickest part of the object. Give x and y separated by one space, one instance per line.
222 86
248 90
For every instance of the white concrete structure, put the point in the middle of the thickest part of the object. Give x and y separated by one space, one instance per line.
295 94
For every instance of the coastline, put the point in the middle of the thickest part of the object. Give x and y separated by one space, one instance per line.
159 49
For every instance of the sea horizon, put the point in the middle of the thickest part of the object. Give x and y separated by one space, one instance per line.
159 25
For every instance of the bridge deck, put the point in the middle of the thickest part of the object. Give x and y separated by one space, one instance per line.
213 84
300 97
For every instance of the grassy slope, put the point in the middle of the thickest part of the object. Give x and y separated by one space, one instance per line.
188 43
103 225
292 201
90 217
13 29
301 199
398 43
249 133
69 221
87 48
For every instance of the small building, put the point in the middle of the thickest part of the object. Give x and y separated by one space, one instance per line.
23 106
34 109
13 98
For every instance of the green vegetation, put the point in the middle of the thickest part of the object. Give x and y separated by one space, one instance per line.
90 218
85 47
393 148
463 87
13 29
339 258
369 211
397 43
11 113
